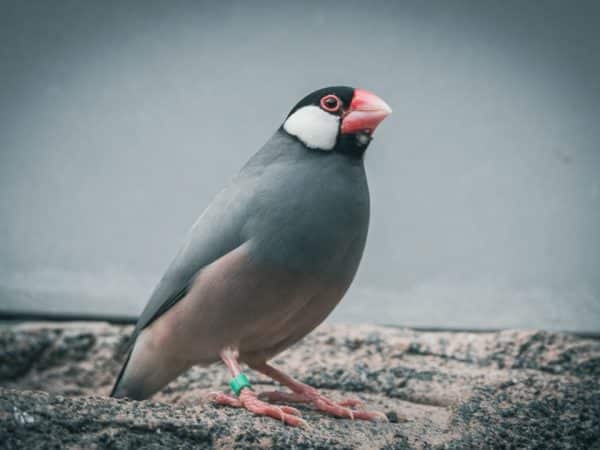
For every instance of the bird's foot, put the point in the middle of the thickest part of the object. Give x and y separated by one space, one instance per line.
321 403
249 400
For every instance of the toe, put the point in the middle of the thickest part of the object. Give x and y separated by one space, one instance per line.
374 416
223 399
286 414
295 421
351 402
264 409
290 410
326 406
340 409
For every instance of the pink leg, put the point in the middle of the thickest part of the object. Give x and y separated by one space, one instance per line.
249 400
303 393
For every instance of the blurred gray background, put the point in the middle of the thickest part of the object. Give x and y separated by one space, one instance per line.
120 120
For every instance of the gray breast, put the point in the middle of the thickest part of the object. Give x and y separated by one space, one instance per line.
310 209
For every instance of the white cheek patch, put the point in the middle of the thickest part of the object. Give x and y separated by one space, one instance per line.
314 127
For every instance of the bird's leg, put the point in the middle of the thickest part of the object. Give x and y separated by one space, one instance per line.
248 399
306 394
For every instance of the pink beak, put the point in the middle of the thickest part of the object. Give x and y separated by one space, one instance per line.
365 113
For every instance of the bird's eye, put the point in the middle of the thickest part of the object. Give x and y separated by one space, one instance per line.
330 103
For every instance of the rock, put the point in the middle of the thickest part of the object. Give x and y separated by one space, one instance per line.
438 389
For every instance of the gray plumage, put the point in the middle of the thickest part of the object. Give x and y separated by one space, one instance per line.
264 264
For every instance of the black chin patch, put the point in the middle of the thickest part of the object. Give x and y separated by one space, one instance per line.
353 144
363 139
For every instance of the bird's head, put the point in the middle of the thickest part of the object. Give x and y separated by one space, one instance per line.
337 118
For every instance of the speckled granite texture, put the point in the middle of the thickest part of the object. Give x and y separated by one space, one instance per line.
522 389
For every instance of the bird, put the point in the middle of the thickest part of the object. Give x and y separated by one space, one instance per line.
266 262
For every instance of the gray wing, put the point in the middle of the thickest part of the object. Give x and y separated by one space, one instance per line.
216 232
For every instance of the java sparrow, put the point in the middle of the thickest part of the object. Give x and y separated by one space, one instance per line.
267 261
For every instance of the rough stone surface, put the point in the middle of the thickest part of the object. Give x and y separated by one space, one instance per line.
522 389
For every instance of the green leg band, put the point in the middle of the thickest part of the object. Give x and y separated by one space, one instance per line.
238 383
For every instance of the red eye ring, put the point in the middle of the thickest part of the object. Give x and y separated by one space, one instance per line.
331 103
